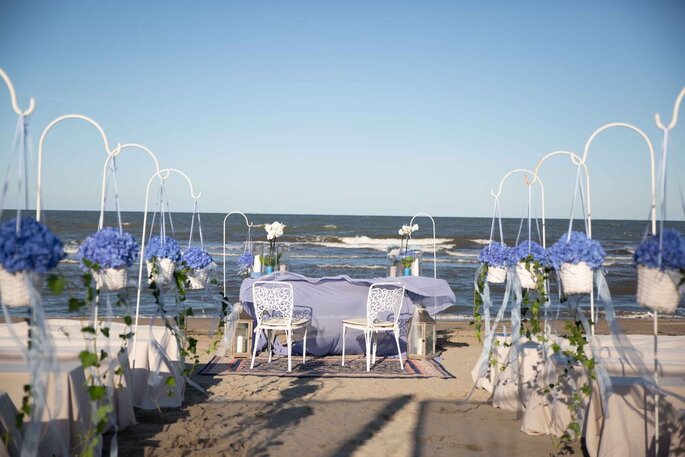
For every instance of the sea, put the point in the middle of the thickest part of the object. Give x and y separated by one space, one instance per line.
356 246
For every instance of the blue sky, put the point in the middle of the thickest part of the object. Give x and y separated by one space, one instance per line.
348 107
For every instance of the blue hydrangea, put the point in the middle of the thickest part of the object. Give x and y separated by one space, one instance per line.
526 248
196 258
579 248
33 248
495 254
647 253
109 248
163 248
246 260
245 264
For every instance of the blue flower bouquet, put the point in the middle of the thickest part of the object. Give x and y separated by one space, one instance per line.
108 253
245 264
660 265
27 251
201 264
496 256
575 258
162 254
530 258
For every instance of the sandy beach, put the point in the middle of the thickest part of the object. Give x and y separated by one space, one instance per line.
249 415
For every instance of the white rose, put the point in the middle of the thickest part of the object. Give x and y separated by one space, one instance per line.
270 236
401 232
415 227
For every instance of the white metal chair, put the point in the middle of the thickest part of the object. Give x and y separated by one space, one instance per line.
274 306
383 305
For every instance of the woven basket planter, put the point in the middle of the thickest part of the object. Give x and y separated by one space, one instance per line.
576 278
497 275
525 276
165 272
198 279
16 288
111 279
658 289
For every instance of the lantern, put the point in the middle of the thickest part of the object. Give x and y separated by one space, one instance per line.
241 346
422 335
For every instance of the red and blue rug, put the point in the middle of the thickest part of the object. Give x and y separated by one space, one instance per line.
326 367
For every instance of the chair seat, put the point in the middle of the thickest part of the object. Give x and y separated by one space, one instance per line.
361 323
279 323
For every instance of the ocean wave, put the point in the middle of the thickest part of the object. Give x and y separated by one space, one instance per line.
71 247
480 241
344 265
330 226
382 244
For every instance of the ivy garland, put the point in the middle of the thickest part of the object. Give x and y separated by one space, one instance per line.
477 321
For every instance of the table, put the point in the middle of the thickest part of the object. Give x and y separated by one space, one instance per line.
68 416
332 299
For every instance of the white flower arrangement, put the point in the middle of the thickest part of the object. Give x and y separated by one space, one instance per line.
274 230
407 230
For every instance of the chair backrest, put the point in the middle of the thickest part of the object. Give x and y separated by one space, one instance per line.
384 298
273 299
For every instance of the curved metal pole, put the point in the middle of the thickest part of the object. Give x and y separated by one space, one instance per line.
162 175
536 179
672 124
248 224
674 116
651 164
435 249
575 160
578 162
13 96
118 150
40 150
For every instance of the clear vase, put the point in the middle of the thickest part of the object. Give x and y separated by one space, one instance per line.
283 257
394 268
269 258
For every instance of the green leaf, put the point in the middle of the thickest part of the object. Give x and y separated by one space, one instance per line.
89 329
56 284
128 320
96 393
105 331
88 359
75 304
103 355
170 381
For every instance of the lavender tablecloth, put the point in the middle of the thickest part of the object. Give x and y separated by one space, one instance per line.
332 299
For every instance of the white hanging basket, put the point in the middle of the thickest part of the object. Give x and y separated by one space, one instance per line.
576 278
165 272
658 289
199 279
16 288
525 276
111 279
497 275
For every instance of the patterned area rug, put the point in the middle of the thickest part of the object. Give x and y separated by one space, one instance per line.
326 367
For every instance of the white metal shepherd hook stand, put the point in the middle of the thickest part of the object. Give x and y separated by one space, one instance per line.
248 224
575 160
665 129
162 175
435 249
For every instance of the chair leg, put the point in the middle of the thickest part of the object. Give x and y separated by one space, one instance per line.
304 346
375 347
343 338
268 338
367 340
399 352
289 338
254 348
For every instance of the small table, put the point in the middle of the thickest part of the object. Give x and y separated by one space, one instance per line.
332 299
